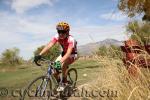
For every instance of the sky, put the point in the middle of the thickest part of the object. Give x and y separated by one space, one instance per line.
28 24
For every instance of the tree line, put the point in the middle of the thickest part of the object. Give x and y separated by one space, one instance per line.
11 56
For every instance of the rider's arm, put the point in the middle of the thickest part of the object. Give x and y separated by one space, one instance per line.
68 53
47 47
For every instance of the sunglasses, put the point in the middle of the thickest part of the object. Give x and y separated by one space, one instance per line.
61 31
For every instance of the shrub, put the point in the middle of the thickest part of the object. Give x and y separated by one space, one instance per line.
11 56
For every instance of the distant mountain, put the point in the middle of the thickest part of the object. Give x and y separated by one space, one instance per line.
110 42
89 48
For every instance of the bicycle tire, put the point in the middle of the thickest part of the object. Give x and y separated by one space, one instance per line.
72 79
27 90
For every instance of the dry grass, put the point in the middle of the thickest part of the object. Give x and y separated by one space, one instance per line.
115 77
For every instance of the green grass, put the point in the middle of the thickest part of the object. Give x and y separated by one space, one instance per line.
88 67
15 78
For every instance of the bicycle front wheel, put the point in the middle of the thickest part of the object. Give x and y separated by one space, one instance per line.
39 88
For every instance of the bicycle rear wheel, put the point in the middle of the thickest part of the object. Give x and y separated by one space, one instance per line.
72 79
39 88
72 76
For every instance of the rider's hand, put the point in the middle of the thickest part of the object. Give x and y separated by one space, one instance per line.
57 65
37 58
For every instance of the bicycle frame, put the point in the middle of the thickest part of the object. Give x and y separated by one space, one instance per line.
50 73
50 76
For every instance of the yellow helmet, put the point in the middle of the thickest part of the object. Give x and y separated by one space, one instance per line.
63 26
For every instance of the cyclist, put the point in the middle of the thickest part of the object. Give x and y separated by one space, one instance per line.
69 46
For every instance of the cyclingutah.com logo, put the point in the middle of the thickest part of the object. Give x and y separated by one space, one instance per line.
107 93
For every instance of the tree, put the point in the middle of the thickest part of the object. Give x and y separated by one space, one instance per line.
134 7
51 53
111 51
139 31
11 56
102 51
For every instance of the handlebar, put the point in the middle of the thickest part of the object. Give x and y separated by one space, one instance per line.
45 60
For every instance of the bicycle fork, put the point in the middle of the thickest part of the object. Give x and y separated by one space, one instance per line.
41 88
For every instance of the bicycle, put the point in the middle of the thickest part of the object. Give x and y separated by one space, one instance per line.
44 89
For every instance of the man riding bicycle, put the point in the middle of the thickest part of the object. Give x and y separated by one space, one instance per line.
69 46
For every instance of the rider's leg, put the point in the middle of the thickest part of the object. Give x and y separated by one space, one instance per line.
65 65
56 75
64 69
